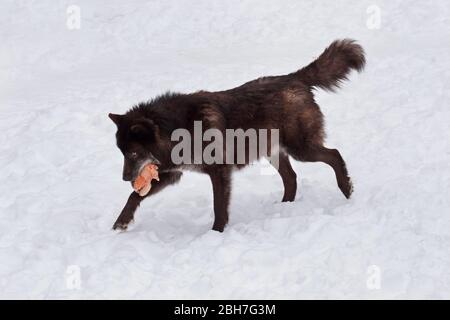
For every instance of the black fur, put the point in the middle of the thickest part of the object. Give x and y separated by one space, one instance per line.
284 102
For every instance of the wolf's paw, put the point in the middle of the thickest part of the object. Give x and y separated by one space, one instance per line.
121 225
347 188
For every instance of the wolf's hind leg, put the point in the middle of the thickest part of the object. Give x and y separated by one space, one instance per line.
333 158
288 176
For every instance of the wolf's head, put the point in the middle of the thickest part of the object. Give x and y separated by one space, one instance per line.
139 141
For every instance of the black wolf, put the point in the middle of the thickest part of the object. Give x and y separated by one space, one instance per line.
283 102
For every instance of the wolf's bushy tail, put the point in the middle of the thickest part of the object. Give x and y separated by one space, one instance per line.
334 64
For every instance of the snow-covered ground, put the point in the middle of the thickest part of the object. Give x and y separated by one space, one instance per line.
61 187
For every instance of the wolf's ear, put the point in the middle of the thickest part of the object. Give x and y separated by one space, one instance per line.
140 130
145 129
116 118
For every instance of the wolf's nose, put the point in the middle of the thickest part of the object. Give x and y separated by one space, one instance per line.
127 177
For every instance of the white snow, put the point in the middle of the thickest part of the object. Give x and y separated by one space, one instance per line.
61 187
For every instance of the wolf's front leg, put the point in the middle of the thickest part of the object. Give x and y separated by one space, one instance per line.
127 214
221 182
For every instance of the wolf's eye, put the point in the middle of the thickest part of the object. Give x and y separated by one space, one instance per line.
133 155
